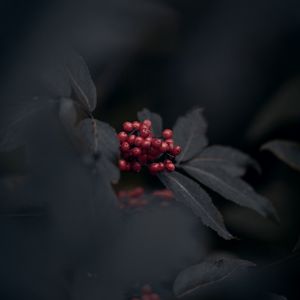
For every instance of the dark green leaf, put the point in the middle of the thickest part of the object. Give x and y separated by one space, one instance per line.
228 159
231 188
190 134
207 274
156 120
81 82
288 152
192 195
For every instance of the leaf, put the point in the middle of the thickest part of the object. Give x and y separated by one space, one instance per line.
100 139
192 195
156 120
228 159
231 188
67 112
288 152
208 274
190 134
81 82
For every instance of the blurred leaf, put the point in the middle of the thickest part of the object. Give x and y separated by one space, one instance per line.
207 274
156 120
192 195
229 187
100 139
67 112
228 159
288 152
283 108
81 82
190 134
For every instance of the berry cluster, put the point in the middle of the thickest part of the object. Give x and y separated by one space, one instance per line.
140 148
147 294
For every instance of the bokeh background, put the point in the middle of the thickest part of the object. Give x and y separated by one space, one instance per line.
238 60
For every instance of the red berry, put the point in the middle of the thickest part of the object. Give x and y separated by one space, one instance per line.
125 146
156 143
122 165
136 151
167 133
136 125
169 141
138 141
122 136
146 144
170 167
149 139
161 167
176 151
131 139
136 167
144 132
127 126
164 147
154 168
167 161
147 123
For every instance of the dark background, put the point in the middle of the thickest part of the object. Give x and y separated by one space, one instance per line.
238 60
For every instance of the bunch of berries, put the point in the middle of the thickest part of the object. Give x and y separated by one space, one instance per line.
140 148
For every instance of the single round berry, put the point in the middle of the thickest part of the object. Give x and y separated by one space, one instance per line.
136 167
164 147
161 167
146 144
144 132
125 146
169 141
136 151
170 167
122 165
167 161
138 141
122 136
167 133
176 151
131 139
147 123
136 125
156 143
154 167
127 126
